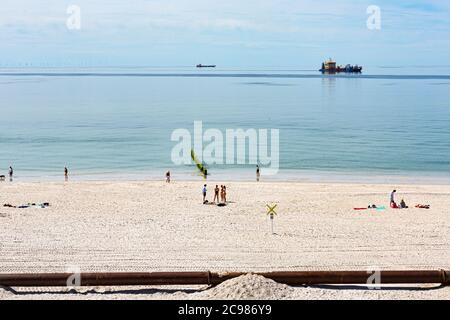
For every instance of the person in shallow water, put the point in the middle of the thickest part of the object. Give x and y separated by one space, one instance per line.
258 174
66 173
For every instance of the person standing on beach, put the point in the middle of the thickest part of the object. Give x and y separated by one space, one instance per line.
224 194
168 176
66 173
216 193
393 204
221 193
258 174
204 193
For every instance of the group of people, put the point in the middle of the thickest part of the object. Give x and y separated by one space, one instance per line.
11 174
394 205
258 174
220 194
402 204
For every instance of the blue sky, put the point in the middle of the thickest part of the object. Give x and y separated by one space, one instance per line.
251 33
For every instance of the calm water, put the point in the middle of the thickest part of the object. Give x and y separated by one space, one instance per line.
120 125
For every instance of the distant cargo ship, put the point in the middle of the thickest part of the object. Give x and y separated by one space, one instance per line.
330 67
206 66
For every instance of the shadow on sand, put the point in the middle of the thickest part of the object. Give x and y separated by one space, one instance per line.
365 288
106 292
151 291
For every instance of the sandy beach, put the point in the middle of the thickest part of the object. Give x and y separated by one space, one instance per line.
154 226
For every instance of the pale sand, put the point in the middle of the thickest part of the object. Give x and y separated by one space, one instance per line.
154 226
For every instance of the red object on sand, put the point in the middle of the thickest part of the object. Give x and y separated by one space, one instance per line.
359 208
394 205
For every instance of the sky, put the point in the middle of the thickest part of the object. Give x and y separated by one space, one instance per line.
232 33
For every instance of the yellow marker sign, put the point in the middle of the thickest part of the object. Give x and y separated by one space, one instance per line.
271 210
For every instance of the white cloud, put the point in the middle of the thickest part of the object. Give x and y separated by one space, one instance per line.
281 25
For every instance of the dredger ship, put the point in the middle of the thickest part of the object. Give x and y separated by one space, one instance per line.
331 67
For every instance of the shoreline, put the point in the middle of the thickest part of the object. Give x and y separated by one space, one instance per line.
285 176
200 182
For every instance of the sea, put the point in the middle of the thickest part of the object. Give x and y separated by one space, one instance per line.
386 125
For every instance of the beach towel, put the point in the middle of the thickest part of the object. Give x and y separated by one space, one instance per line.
371 207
